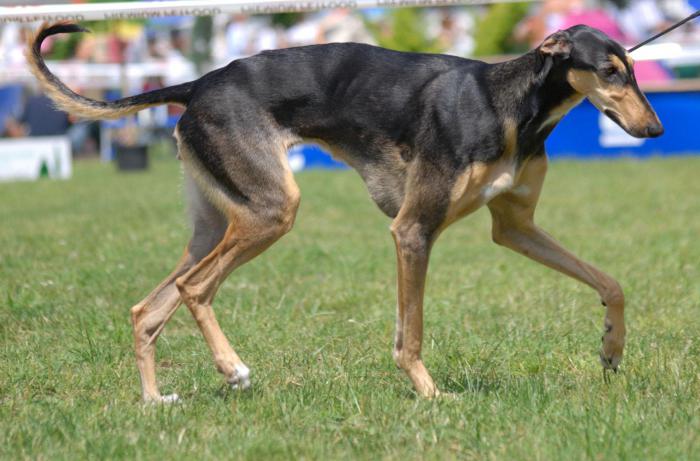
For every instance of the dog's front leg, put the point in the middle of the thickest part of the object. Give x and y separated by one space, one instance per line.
412 251
514 227
534 243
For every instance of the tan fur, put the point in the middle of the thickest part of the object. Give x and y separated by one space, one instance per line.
623 101
619 65
555 44
510 135
246 237
148 319
412 255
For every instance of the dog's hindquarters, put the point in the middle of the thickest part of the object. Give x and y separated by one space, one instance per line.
238 210
243 188
242 198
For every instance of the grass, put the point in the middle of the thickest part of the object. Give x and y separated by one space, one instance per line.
515 343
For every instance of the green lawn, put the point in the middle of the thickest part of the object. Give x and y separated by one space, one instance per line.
515 343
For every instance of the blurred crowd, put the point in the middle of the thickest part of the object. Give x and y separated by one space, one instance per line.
185 47
628 23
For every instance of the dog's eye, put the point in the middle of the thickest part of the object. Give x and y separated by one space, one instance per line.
609 71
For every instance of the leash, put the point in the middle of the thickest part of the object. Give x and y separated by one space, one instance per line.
664 32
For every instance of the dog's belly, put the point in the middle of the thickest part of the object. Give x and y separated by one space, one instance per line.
384 174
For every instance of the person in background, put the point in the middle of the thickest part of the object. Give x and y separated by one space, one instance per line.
453 28
39 118
640 19
248 35
13 39
343 25
306 31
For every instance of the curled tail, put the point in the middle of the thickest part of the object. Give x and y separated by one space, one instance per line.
71 102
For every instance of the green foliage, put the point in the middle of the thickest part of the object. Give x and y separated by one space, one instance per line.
285 20
106 26
405 32
64 47
512 342
201 41
495 28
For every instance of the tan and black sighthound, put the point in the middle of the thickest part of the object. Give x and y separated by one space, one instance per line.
434 137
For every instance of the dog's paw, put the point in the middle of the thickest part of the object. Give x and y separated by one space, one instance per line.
164 399
241 378
170 398
610 362
613 345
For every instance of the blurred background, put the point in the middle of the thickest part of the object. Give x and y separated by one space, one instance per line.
131 56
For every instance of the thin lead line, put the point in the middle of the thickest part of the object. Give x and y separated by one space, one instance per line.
678 24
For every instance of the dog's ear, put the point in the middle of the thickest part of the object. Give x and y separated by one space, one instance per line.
557 45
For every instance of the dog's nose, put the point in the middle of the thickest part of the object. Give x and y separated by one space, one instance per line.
655 130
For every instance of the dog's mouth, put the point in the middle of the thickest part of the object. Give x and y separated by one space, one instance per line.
650 131
614 117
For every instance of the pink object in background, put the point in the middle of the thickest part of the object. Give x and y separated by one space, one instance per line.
645 71
594 18
650 71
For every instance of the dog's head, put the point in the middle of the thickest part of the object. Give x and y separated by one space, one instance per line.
600 69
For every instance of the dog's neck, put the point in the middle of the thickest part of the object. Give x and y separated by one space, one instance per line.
529 90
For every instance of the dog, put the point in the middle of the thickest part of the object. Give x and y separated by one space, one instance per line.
434 137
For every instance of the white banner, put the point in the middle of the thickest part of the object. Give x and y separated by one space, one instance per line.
140 10
33 158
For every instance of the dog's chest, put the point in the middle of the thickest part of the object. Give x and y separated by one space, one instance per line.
479 184
502 182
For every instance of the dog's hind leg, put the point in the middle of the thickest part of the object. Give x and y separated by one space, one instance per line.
148 318
248 236
260 204
198 288
514 227
150 315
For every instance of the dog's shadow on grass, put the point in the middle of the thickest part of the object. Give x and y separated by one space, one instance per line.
225 393
451 386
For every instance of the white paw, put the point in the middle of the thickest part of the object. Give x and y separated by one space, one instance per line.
241 378
170 398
